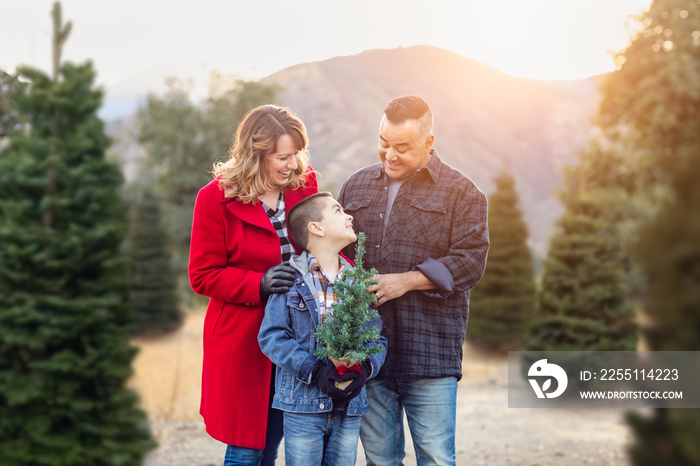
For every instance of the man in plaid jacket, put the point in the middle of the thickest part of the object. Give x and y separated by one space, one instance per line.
427 237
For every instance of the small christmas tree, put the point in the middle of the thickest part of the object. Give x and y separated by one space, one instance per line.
344 334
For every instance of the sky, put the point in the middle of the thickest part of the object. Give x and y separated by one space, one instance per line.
544 39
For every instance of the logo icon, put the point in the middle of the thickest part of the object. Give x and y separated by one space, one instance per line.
543 369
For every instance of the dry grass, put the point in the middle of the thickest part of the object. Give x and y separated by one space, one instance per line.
168 372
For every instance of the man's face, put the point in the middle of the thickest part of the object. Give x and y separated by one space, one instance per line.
403 148
336 224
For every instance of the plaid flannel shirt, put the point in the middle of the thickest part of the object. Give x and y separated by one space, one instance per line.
437 225
323 294
279 223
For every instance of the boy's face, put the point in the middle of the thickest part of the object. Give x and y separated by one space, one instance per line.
336 224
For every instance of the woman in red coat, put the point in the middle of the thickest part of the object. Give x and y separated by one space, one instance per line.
237 258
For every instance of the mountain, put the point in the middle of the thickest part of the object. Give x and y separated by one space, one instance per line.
484 120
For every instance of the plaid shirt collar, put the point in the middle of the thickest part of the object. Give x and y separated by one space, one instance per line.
279 207
323 294
278 218
433 168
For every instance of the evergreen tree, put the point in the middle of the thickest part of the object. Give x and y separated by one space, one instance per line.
345 333
643 119
582 305
9 119
503 302
670 255
64 351
153 291
612 177
654 100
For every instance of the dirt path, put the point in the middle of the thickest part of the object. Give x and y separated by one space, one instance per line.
168 372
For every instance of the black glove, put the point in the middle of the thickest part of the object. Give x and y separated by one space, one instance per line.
277 279
358 381
325 376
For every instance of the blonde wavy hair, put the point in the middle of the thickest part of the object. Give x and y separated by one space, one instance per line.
243 175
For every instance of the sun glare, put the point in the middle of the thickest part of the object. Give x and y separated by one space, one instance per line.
546 39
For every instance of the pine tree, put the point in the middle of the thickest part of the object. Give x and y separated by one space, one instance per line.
612 177
9 85
652 102
582 304
670 254
153 290
503 302
64 351
345 334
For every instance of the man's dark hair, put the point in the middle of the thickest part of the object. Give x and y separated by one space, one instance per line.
306 211
410 107
406 107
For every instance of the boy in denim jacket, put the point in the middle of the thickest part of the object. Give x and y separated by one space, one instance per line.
321 421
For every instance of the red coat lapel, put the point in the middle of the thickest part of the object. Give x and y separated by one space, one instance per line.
250 213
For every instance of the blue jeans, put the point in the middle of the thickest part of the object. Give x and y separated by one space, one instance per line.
431 408
328 439
252 457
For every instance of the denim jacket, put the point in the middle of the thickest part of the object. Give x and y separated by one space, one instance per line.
288 337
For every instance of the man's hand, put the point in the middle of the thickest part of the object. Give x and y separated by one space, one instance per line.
395 285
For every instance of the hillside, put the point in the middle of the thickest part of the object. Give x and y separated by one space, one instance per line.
484 119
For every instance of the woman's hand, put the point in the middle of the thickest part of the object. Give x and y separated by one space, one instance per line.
277 279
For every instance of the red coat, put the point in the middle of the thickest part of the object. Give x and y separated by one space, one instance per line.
233 245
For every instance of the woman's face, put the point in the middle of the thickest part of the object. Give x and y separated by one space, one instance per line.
281 164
